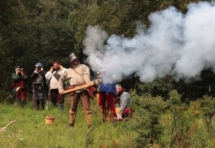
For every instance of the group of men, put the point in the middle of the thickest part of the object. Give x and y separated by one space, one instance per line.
78 74
44 84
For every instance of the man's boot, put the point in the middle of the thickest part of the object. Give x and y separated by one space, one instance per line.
16 102
42 101
72 119
88 119
61 105
104 115
22 103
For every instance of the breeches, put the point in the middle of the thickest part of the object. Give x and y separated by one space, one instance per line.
84 97
56 97
104 97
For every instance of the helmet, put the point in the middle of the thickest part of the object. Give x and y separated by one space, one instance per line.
38 64
72 57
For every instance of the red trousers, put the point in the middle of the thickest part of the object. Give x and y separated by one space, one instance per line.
106 101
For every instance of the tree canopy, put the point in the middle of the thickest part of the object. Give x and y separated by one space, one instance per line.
43 31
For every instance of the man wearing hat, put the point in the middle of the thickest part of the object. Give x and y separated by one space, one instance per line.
18 88
53 76
77 74
39 87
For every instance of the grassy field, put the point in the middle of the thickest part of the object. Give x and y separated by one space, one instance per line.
30 130
155 124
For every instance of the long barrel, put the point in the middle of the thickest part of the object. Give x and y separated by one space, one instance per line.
91 83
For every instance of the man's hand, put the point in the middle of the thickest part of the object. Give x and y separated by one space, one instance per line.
61 67
51 69
36 70
19 71
119 116
61 92
99 75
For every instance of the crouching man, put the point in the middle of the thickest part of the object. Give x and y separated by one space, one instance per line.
124 109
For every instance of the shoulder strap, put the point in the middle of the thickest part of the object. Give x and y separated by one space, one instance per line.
79 75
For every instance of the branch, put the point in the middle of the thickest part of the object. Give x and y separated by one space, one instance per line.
4 128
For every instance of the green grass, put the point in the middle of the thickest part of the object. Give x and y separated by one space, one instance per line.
30 130
155 124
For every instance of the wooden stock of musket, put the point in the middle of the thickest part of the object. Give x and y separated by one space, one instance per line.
91 83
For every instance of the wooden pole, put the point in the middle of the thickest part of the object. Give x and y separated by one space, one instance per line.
91 83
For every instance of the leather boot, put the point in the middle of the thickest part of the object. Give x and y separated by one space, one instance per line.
88 126
88 119
35 104
61 105
16 102
22 103
42 101
72 119
104 116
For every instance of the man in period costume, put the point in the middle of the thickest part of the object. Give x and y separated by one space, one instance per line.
124 109
18 88
39 87
106 94
78 74
53 76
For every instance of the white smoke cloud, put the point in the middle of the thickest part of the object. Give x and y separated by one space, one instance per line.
181 44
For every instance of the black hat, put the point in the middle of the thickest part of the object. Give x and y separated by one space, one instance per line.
19 66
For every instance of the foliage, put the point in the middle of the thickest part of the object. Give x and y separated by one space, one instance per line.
207 107
146 119
155 123
48 30
158 87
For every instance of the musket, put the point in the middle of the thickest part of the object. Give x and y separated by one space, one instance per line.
91 83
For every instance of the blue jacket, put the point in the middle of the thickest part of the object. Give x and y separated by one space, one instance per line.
109 88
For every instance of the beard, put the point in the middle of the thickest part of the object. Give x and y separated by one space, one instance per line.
56 69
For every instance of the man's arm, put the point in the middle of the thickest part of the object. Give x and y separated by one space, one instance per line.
86 73
61 82
124 99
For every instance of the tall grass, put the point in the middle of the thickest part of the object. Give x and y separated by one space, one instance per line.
30 129
155 124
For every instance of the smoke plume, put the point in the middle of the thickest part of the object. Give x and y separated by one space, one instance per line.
176 43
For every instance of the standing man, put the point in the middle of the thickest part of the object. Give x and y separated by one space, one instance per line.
39 87
18 88
106 94
124 109
53 76
77 74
